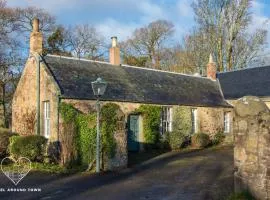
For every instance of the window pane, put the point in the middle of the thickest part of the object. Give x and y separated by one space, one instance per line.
47 119
226 122
166 119
194 120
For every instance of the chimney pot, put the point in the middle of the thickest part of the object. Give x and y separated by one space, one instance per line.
114 41
211 58
36 38
211 69
35 25
114 52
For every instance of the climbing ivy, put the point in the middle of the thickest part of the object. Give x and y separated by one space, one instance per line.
68 135
84 137
109 124
151 122
68 112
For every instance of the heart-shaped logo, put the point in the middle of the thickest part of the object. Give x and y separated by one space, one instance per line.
15 170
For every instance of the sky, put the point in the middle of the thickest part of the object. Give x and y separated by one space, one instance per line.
121 17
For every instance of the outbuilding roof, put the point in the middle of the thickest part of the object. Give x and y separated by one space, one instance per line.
133 84
250 81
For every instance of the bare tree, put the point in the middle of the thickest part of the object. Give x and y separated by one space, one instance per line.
25 17
7 19
176 59
10 58
149 41
223 25
85 41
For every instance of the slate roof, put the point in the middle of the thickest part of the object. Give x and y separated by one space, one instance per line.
251 81
133 84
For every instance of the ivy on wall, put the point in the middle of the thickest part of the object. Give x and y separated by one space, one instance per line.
83 135
151 122
68 112
109 124
86 137
68 135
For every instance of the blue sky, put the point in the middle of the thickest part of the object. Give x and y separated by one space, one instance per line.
121 17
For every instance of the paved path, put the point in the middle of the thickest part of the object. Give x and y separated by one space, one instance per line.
206 174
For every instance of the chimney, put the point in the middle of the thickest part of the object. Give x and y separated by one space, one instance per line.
114 52
211 69
36 38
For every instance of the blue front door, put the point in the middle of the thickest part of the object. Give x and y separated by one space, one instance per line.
133 133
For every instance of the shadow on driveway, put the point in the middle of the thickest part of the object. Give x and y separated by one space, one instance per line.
205 174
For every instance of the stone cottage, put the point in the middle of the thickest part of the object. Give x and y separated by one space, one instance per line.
49 80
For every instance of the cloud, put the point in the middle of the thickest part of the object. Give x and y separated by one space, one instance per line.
151 12
184 8
111 27
116 17
259 19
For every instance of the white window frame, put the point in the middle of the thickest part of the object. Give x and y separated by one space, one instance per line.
227 122
166 119
47 127
194 120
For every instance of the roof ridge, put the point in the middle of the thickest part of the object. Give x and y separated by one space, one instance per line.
124 65
79 59
158 70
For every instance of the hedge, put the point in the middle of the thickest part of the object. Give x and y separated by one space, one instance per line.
218 138
177 140
32 147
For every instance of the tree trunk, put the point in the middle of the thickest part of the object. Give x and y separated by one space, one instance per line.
3 102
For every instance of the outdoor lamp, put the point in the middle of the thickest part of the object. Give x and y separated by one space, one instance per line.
99 86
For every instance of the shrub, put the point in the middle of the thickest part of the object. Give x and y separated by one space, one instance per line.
200 140
218 138
182 120
5 134
32 147
177 140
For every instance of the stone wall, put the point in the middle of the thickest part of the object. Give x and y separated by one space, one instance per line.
252 147
211 120
24 101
